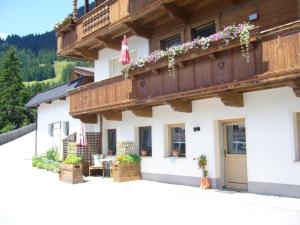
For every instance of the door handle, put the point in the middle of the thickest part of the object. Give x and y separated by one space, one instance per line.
225 153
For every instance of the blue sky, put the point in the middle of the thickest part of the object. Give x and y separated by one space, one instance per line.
32 16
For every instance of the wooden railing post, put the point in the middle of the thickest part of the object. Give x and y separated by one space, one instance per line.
86 6
75 10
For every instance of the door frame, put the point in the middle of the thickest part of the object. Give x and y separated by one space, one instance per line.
221 124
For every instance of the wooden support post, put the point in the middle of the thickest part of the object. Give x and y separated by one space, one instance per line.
75 10
230 98
86 6
112 115
142 111
176 12
139 30
179 105
109 42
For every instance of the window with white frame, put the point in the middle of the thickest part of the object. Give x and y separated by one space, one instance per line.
297 136
115 67
176 139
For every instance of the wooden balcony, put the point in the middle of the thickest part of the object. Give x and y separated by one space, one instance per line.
85 36
219 71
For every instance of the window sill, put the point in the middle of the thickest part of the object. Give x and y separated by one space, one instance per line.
175 157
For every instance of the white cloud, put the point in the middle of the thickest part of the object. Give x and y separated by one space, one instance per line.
3 35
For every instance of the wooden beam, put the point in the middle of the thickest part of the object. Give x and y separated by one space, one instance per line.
176 12
142 111
62 98
295 85
179 105
88 118
49 102
87 54
109 42
230 98
139 30
112 115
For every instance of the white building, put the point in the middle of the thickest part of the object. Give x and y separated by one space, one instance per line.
260 139
53 120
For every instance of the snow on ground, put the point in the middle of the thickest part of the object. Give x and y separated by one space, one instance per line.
34 197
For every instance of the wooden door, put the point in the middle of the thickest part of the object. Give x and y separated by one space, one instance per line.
235 155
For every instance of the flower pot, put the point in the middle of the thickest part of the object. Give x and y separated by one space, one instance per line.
143 153
205 183
110 152
71 173
175 153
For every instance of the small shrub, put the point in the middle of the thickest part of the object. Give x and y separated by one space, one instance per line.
52 154
72 159
129 158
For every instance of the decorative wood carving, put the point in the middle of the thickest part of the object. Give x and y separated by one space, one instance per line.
176 12
139 30
112 115
109 42
230 98
180 105
142 111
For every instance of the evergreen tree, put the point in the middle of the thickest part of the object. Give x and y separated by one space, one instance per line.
12 112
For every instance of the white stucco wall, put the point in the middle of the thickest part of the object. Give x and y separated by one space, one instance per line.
57 111
269 135
139 44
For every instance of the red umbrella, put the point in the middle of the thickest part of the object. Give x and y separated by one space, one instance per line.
81 136
124 57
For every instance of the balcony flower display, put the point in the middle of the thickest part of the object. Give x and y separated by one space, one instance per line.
230 33
64 22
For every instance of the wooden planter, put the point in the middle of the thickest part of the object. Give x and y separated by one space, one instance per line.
71 173
126 172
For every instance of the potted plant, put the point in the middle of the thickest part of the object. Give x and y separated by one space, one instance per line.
202 163
127 167
71 169
143 152
110 152
175 152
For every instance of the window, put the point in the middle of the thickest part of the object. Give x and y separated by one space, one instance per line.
177 140
203 31
145 141
50 129
66 128
170 41
297 137
115 66
112 141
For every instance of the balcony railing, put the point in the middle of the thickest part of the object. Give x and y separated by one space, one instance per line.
103 95
97 19
109 12
274 62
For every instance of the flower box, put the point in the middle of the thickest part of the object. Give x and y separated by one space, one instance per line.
126 172
71 173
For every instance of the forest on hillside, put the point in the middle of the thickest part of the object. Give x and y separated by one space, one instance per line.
30 63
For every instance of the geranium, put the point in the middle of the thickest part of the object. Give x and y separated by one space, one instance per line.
230 33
